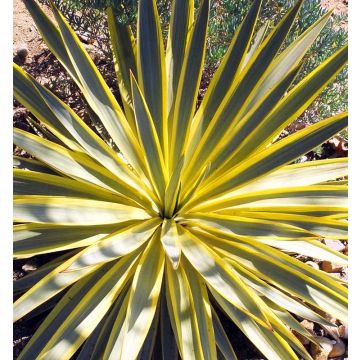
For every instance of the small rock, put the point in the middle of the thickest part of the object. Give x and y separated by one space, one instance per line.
94 53
22 51
321 352
83 38
343 331
335 245
313 264
345 251
330 267
17 275
44 80
332 331
338 349
28 267
330 318
86 39
303 159
308 325
295 126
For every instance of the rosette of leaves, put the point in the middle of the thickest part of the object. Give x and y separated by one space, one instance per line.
186 212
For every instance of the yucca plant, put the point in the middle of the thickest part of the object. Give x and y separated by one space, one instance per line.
173 214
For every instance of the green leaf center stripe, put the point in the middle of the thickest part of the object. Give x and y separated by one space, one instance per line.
185 98
151 67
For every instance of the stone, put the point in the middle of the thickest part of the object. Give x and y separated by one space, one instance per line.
343 331
308 325
321 352
335 245
22 51
332 331
338 349
94 53
345 251
29 267
330 318
330 267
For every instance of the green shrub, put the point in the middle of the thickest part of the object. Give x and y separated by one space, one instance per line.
225 15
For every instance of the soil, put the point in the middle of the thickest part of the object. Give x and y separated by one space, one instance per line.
25 34
339 6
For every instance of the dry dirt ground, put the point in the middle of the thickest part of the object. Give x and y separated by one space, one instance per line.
25 34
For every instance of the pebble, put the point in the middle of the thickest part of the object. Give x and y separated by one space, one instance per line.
332 331
321 352
308 325
338 349
343 331
345 251
28 267
303 159
22 51
295 126
335 245
93 52
330 318
330 267
85 37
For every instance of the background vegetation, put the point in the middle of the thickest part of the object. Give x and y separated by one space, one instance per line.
87 17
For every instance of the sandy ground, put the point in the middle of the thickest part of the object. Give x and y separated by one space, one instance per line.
25 34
